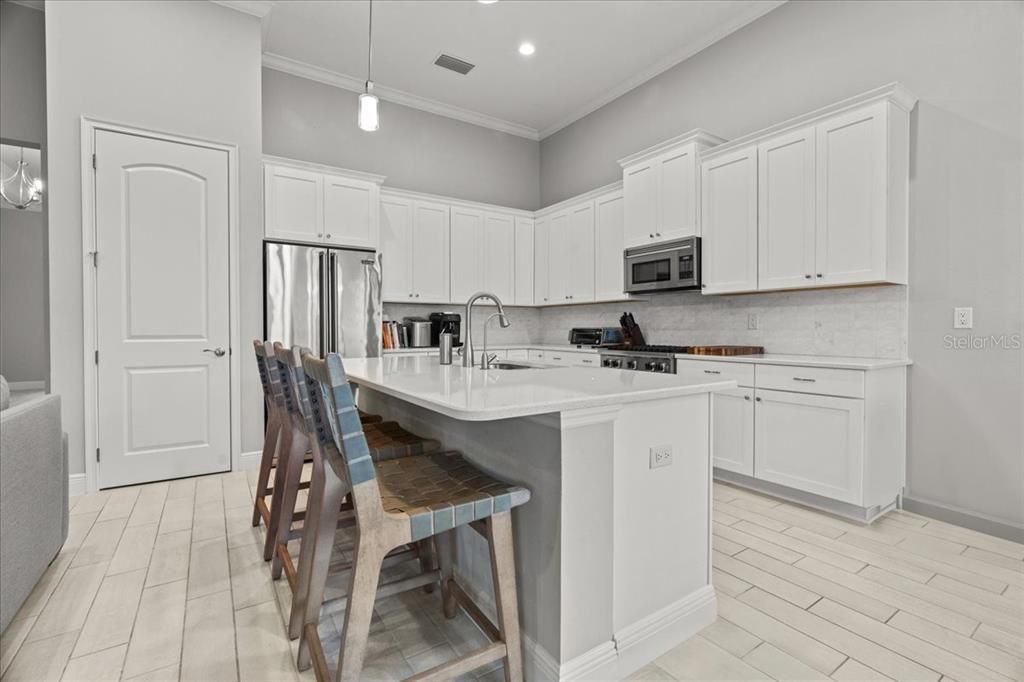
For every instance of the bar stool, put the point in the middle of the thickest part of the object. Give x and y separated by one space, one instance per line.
387 440
396 502
277 418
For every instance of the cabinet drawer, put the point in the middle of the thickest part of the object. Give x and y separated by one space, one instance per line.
842 382
702 370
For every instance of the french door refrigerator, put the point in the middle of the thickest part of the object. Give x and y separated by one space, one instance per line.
324 299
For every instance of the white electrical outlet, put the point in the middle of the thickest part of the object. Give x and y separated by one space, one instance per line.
963 318
752 321
661 456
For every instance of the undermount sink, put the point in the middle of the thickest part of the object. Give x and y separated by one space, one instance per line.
514 365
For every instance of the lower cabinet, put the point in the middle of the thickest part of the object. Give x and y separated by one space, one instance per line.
813 443
732 430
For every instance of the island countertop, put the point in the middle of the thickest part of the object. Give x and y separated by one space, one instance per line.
472 394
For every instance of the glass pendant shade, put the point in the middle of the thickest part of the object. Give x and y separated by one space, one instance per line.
21 190
369 115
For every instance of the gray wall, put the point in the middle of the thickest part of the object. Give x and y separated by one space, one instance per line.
310 121
190 68
23 331
964 61
22 295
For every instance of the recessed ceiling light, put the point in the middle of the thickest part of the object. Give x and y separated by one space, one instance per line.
487 2
526 49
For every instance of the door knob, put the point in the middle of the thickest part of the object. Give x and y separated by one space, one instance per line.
216 351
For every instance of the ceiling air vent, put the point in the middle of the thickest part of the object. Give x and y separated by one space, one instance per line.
446 61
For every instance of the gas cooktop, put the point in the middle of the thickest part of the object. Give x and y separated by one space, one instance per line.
659 358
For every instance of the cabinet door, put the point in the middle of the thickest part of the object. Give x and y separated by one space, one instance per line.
467 251
785 211
396 249
729 222
518 354
560 255
579 258
430 257
350 212
677 194
732 430
813 443
524 276
541 261
499 256
640 188
609 241
851 197
294 206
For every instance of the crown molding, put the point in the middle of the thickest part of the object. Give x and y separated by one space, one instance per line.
676 57
271 160
398 192
256 8
701 137
589 195
353 84
37 5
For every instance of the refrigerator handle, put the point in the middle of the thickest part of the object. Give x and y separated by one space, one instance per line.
323 307
332 300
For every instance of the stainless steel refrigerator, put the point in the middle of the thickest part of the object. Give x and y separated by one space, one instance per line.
325 299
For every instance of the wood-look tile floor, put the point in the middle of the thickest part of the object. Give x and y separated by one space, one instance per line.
166 582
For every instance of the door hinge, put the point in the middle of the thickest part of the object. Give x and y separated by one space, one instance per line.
97 357
97 454
95 255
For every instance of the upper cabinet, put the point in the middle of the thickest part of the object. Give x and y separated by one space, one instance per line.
524 265
414 250
609 240
307 203
831 204
661 189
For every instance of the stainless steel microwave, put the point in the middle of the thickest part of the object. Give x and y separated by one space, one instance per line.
663 267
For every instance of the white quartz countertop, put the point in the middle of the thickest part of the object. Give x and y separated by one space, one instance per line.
472 394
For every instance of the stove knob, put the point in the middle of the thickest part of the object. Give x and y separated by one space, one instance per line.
649 366
606 363
616 363
659 367
630 364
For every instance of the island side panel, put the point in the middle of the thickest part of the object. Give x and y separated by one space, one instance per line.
663 592
524 451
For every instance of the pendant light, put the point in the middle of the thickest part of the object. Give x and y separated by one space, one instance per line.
21 190
369 116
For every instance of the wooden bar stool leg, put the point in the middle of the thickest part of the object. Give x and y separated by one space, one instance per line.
311 530
266 462
503 568
286 488
428 559
362 593
445 549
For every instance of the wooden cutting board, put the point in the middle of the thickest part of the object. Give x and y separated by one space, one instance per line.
726 350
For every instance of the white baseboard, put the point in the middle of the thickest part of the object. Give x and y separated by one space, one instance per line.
965 518
631 649
76 485
26 385
249 461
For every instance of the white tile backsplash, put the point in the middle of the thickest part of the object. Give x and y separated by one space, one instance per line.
855 321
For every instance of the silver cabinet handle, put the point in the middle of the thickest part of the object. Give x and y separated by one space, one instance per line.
328 235
712 371
651 236
757 399
410 295
809 381
417 295
807 276
219 352
820 275
746 397
657 234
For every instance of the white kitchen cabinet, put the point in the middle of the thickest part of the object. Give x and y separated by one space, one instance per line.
538 356
499 256
732 430
312 205
351 212
813 443
293 204
467 249
609 242
430 255
660 186
524 262
578 259
518 354
559 244
396 248
785 210
729 215
542 261
570 358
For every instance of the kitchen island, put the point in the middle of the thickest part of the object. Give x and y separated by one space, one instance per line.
613 549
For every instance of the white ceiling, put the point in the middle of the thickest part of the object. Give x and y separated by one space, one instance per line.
588 51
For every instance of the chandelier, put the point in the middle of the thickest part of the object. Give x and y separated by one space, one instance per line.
21 190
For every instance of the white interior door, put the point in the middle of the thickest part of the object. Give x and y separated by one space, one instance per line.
162 309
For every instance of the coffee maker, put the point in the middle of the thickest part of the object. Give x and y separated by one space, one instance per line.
445 322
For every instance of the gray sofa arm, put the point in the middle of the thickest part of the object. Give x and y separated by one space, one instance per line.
33 498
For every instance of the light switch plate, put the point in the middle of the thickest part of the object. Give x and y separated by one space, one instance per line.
661 456
963 318
752 321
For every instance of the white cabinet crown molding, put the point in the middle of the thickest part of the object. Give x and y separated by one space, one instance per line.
256 8
455 203
269 160
579 198
697 135
894 92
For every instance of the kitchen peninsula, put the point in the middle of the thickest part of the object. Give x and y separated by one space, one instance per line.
614 546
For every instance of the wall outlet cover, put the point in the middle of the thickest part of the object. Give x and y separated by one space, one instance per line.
963 318
661 456
752 321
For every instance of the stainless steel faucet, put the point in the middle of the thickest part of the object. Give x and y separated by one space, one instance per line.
467 347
